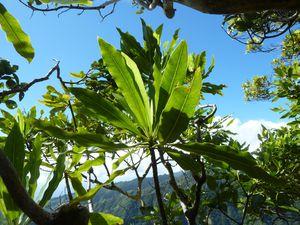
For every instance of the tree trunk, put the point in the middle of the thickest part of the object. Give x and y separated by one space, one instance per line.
239 6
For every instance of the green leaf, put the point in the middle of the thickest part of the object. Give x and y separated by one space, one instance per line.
15 150
35 161
128 80
76 180
173 75
150 41
157 34
239 160
84 139
57 177
116 164
186 162
93 191
79 75
11 104
140 84
104 219
173 42
157 76
103 109
15 34
90 163
179 109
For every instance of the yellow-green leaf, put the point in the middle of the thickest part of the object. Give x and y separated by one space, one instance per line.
15 34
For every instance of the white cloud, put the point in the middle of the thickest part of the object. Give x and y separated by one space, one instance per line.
248 131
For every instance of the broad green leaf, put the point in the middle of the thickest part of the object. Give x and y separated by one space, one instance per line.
179 109
186 162
236 159
15 150
157 34
138 78
76 180
128 83
90 163
104 219
57 177
173 75
157 76
131 47
150 41
15 34
84 139
103 109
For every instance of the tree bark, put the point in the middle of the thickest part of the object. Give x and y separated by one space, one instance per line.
18 193
70 214
239 6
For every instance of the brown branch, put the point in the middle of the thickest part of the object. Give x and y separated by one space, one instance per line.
179 192
68 187
239 6
18 193
157 186
69 7
23 88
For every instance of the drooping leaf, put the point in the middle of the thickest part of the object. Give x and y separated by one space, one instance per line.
90 163
15 150
239 160
128 82
179 109
104 219
57 177
103 109
93 191
35 161
173 75
76 181
186 162
15 34
116 164
84 139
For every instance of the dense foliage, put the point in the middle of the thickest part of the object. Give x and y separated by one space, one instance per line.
135 109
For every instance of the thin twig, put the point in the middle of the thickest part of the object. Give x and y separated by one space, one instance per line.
24 88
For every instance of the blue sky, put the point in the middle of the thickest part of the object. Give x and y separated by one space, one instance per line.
72 39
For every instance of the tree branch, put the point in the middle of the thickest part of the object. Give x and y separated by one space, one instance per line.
157 187
239 6
18 193
23 88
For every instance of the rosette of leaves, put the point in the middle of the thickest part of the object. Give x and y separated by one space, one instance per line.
155 104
